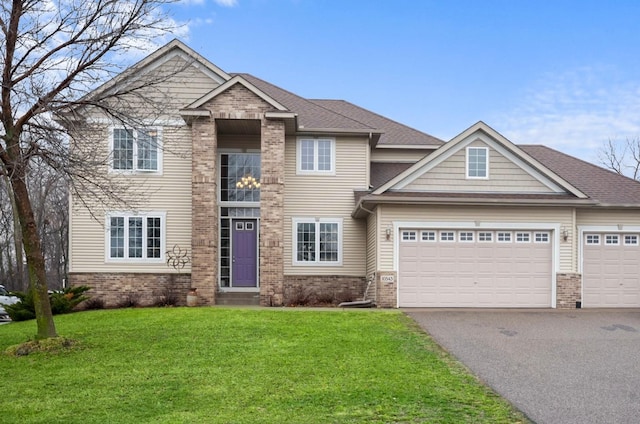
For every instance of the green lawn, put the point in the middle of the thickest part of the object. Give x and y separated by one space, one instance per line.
219 365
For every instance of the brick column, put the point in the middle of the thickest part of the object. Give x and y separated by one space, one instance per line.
272 213
204 226
386 289
568 290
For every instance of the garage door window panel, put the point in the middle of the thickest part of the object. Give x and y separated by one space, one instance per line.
466 236
447 236
504 237
541 237
523 237
631 240
592 239
611 240
428 236
485 237
409 235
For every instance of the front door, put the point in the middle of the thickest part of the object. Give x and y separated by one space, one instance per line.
244 242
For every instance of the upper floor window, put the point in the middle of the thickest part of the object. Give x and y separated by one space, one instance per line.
135 237
477 162
135 150
316 156
240 177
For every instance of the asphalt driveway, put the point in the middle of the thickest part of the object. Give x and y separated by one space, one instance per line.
577 366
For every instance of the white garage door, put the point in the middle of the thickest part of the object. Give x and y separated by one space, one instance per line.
611 270
470 268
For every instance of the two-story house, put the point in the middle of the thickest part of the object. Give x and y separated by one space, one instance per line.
269 193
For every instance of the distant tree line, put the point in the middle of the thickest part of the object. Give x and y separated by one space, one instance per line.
49 195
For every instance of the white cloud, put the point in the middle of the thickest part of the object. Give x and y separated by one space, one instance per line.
576 111
226 3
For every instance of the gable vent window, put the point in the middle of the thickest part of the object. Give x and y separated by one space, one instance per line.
477 162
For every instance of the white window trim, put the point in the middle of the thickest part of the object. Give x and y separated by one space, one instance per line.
317 221
135 170
126 216
470 177
634 237
300 171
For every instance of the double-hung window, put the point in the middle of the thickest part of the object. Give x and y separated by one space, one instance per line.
136 150
477 162
135 237
317 241
316 156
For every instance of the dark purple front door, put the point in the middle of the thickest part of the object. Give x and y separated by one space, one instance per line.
244 241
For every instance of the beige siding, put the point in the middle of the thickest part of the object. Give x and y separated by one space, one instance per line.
169 193
607 217
328 196
398 155
504 176
177 84
372 248
440 214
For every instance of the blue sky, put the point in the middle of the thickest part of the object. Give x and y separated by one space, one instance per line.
561 73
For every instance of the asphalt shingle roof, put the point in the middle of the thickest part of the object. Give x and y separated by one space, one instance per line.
598 183
340 114
395 133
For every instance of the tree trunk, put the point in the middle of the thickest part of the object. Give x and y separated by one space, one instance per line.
35 258
17 241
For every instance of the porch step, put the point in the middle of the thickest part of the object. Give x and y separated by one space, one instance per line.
237 298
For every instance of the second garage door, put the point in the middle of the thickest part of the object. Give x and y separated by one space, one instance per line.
611 270
471 268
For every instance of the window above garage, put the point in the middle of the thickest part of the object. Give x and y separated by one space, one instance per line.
478 162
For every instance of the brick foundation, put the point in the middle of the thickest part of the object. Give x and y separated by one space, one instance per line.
146 289
568 290
323 288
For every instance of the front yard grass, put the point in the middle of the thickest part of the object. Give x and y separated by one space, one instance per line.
226 365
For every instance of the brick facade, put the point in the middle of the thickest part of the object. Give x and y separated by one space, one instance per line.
272 214
204 215
568 290
323 288
146 289
386 283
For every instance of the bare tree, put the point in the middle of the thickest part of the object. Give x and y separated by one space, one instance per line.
52 54
622 157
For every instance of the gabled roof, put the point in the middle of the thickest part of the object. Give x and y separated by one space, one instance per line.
395 134
166 52
237 79
524 160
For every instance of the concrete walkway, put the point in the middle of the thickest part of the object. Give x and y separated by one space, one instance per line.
578 366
